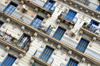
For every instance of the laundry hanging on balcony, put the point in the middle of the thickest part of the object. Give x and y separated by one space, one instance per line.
8 61
37 22
70 15
46 54
82 45
48 5
59 33
72 62
10 8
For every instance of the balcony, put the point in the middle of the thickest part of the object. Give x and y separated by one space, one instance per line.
66 21
91 30
39 4
4 36
36 57
88 3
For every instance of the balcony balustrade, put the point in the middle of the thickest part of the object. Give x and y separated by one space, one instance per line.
38 53
12 40
88 3
62 19
93 28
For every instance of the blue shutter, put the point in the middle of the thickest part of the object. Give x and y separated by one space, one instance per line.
70 15
82 45
46 54
20 38
71 62
48 29
36 22
98 8
59 33
10 8
48 5
8 61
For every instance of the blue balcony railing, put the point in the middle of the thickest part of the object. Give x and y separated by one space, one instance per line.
7 37
88 3
38 53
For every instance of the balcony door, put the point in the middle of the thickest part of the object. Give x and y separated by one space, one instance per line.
59 33
72 62
36 22
46 54
82 45
8 61
48 5
70 15
10 8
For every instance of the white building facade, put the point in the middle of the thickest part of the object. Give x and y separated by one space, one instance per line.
49 33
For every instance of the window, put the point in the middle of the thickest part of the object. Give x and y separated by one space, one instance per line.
98 8
46 54
94 22
82 45
59 33
36 22
1 23
49 4
23 41
70 15
72 62
10 8
8 61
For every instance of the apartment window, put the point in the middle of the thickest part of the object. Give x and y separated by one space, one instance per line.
8 61
23 41
59 33
1 23
70 15
46 54
94 23
10 8
36 22
72 62
49 4
98 8
82 45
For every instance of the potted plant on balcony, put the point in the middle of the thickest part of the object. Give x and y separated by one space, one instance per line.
85 25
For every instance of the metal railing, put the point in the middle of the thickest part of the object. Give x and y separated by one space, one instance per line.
92 54
93 28
62 64
41 3
74 20
7 37
38 53
88 3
